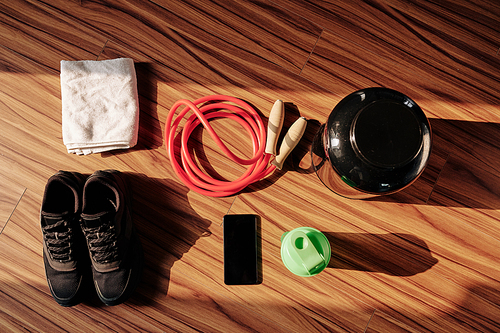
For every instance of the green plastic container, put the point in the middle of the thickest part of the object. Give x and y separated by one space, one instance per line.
305 251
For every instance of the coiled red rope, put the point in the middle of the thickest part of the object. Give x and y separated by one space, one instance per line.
204 109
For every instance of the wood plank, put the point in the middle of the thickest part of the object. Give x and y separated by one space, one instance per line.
253 79
445 40
471 175
239 73
10 194
266 30
472 184
470 23
202 309
380 322
31 143
39 34
344 67
471 140
9 324
401 230
275 34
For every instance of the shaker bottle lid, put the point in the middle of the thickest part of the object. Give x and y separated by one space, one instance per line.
305 251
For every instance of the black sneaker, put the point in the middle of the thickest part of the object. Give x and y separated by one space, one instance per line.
62 238
114 246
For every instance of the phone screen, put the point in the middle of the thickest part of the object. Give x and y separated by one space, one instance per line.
240 249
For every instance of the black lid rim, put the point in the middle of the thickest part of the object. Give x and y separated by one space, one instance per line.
377 177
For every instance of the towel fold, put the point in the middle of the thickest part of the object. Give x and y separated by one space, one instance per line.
100 105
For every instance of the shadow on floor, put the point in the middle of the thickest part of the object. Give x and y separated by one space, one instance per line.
392 254
168 228
466 169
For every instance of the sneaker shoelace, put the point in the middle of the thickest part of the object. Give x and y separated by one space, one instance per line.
58 238
102 242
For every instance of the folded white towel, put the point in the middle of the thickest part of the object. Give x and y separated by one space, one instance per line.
100 105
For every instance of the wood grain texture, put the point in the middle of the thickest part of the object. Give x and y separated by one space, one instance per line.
281 36
425 264
422 260
437 94
39 34
10 194
436 38
380 322
31 143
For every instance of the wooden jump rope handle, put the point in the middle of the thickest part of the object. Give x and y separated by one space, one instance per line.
291 140
274 126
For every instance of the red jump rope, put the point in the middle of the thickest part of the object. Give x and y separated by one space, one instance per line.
260 165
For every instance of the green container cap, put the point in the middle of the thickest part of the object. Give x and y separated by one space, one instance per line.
305 251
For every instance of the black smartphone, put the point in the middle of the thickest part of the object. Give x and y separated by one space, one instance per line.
241 249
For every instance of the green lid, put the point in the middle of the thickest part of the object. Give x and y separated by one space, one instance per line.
305 251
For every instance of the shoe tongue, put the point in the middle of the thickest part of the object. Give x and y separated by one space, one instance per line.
51 218
96 220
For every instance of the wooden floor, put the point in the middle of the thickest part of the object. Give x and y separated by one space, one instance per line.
423 260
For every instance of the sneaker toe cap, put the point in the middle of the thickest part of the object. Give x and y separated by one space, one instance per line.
65 289
112 286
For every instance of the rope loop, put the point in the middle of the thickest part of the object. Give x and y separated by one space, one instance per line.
204 109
